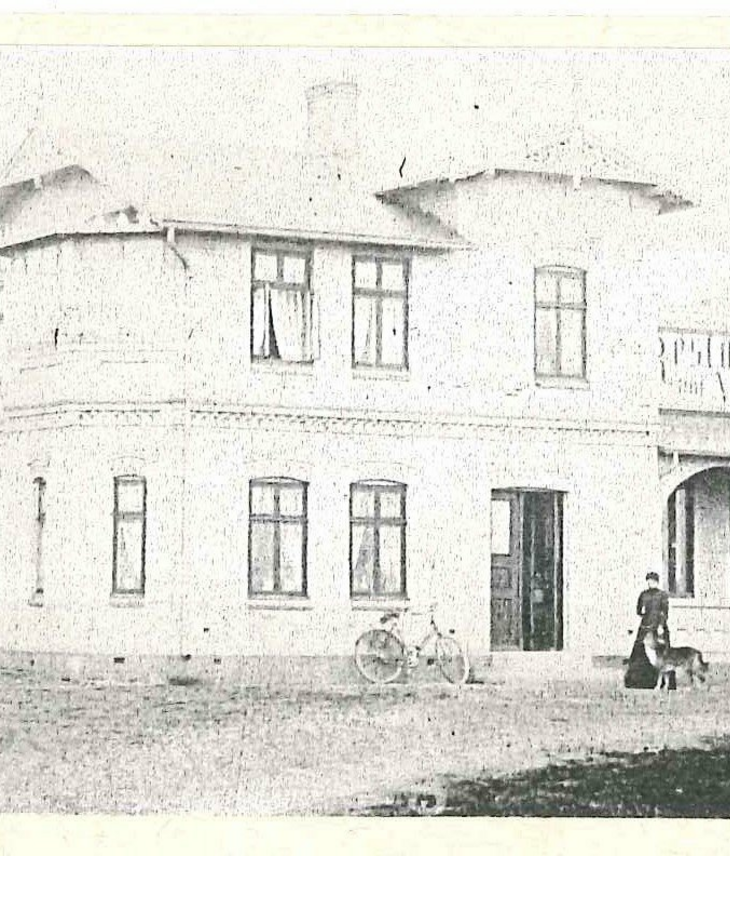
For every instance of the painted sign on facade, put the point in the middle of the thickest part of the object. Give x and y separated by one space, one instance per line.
695 370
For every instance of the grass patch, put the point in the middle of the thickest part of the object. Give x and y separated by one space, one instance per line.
690 783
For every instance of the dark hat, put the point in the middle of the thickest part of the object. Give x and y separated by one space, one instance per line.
652 576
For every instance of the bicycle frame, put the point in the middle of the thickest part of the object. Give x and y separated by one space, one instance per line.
393 622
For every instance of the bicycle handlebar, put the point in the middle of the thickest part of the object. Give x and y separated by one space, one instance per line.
398 613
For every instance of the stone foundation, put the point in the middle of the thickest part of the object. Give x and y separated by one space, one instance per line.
301 671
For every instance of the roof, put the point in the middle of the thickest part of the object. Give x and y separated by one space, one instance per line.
296 200
65 199
575 156
705 228
580 155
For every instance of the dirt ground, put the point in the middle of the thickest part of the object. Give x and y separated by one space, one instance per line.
70 747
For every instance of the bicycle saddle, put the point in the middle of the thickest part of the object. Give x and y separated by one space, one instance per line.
388 617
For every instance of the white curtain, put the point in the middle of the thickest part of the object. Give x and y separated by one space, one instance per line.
291 320
287 315
365 330
261 321
129 555
362 574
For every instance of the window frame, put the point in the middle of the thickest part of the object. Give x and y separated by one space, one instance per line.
561 272
40 485
281 252
126 516
377 294
685 536
376 486
277 519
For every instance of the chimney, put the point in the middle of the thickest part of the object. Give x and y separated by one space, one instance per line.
333 128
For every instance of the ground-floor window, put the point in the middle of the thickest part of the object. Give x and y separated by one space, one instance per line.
377 540
40 521
130 527
277 537
527 570
681 541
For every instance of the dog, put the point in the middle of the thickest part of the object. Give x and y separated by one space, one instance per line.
666 659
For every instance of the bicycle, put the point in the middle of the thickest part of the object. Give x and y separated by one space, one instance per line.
381 654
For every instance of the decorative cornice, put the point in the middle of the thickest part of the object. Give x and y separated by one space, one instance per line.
323 421
407 424
20 419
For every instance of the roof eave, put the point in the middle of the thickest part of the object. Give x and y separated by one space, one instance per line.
332 237
181 225
392 194
30 237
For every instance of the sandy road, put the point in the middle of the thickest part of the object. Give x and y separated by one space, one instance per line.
68 747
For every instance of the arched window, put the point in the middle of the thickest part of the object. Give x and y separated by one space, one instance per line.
377 540
277 537
130 531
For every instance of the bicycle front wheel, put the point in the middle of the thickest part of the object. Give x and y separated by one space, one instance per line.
452 659
379 656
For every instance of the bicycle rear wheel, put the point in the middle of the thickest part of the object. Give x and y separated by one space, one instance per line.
452 659
379 656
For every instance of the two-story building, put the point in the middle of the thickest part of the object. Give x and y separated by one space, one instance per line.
244 415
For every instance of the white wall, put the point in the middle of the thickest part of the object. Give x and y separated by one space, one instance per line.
78 612
122 308
91 318
471 359
519 222
197 579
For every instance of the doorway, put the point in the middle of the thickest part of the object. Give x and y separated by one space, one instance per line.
527 570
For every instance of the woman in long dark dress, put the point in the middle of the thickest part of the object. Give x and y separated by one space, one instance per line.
653 607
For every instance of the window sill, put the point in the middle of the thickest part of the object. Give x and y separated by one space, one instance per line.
380 604
562 381
683 601
278 601
375 372
283 366
131 601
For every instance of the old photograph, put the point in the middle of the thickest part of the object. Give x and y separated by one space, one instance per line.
364 432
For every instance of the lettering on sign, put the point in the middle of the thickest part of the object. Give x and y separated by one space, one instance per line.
695 369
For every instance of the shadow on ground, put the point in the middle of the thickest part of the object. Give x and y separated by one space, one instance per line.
691 783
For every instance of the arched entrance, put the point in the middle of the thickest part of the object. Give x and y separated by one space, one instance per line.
696 552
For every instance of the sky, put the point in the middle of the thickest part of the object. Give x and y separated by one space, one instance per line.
123 112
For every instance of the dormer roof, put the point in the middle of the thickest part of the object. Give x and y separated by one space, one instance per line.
576 157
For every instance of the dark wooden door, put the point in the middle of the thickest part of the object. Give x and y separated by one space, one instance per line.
506 570
542 571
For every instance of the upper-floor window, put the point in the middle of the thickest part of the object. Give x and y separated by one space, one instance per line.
281 305
380 312
560 322
130 528
277 537
377 540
